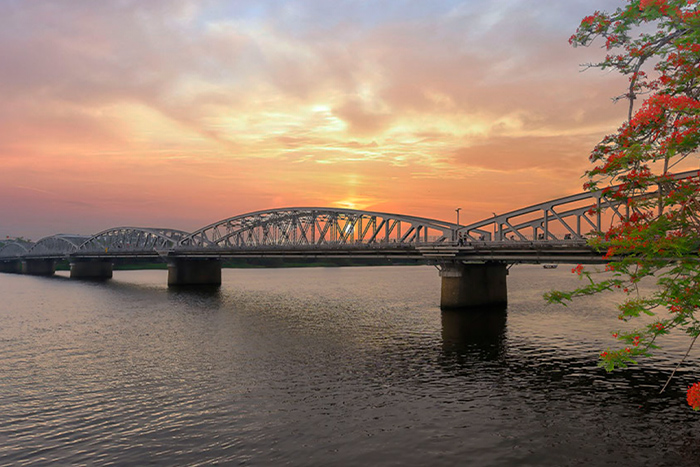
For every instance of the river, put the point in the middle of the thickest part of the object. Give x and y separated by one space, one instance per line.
327 366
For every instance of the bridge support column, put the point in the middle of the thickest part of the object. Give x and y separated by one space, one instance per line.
469 285
194 272
91 270
14 267
39 267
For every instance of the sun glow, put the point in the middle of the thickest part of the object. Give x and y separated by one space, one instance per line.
203 114
351 203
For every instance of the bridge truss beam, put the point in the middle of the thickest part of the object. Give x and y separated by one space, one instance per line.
569 218
305 227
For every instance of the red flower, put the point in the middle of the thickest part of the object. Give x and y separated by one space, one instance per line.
694 396
588 20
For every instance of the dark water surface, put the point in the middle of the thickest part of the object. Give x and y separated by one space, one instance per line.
328 366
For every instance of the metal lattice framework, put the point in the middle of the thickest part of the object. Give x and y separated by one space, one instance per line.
303 227
57 245
569 218
132 240
565 222
14 250
559 219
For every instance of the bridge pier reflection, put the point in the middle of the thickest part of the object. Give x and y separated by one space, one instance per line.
473 285
481 329
206 272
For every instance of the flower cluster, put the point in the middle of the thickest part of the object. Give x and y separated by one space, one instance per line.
693 396
655 232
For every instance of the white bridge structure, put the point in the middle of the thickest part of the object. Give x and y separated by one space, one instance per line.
473 259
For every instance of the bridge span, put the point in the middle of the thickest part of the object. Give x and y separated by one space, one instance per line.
472 259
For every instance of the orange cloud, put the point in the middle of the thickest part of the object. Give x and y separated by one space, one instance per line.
178 113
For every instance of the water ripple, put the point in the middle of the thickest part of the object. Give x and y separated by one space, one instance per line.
324 366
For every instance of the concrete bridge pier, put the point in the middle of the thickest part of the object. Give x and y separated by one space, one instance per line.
14 267
98 270
472 285
183 271
39 267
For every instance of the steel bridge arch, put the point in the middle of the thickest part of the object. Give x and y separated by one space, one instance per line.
59 245
301 226
558 219
132 240
14 250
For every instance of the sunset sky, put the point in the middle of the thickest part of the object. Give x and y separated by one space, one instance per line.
178 113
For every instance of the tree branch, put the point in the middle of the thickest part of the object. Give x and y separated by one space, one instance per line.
679 364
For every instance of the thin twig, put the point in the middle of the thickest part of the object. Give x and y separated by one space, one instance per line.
679 364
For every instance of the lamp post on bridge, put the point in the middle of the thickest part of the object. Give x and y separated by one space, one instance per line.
457 211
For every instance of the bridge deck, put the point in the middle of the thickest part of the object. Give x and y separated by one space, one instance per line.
568 251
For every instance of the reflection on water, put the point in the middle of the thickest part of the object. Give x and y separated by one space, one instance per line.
200 297
342 366
481 330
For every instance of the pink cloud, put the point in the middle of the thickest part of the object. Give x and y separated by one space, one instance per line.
187 112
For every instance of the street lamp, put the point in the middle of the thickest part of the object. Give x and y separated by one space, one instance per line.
457 211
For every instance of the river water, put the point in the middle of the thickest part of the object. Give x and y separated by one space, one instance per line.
326 366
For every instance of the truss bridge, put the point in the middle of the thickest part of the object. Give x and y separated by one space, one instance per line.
472 259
